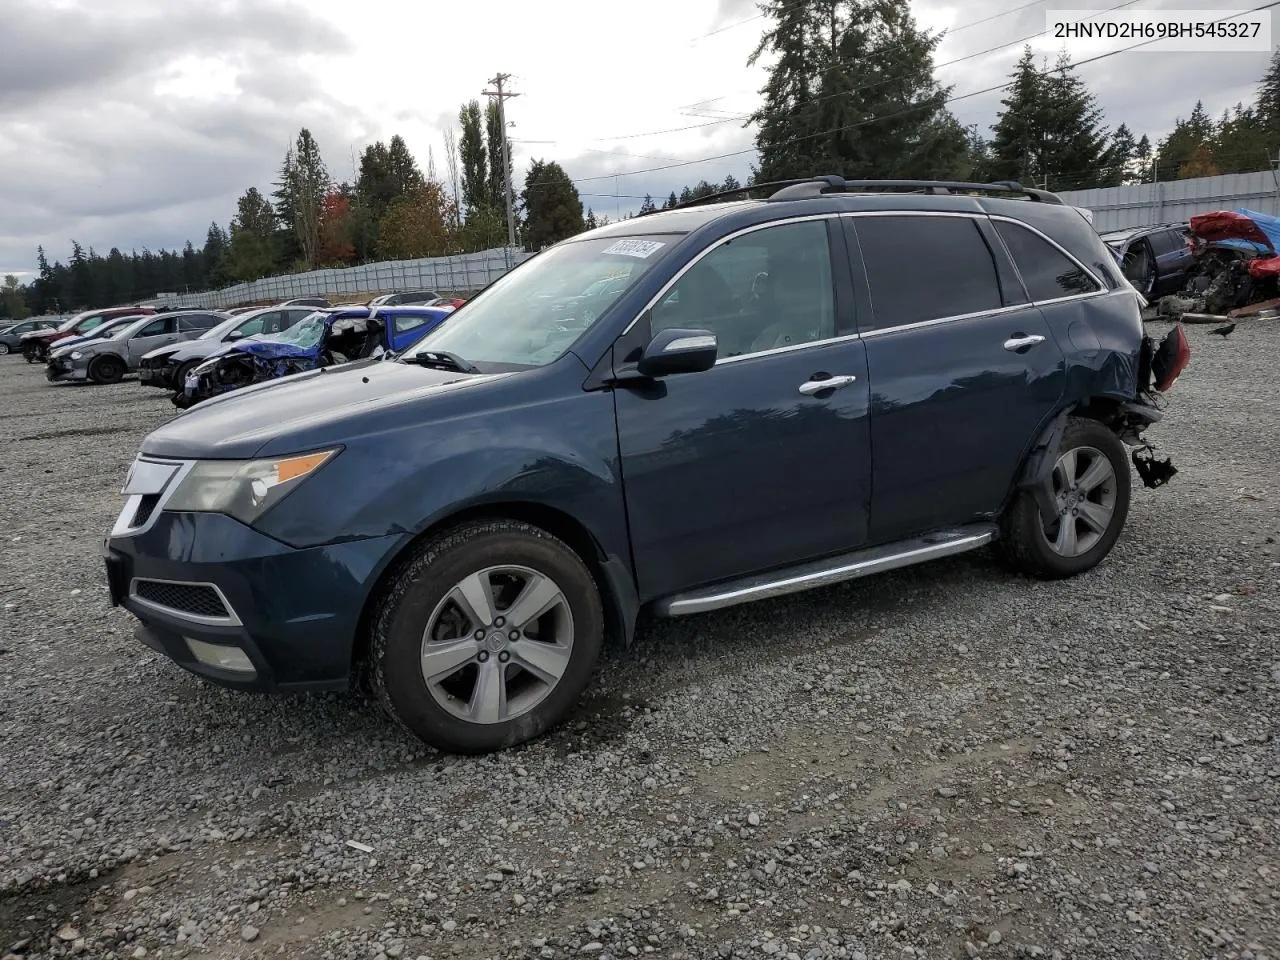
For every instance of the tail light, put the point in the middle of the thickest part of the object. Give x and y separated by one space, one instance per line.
1171 358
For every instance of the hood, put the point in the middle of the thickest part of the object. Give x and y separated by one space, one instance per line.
292 410
42 334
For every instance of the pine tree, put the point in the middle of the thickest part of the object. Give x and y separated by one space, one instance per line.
81 278
474 157
1017 144
251 254
13 305
493 142
671 201
590 222
304 181
1120 170
787 111
1142 160
1177 149
553 209
648 206
1267 107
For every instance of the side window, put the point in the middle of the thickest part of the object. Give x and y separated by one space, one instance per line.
901 252
763 290
1048 273
404 322
292 317
250 327
273 322
1166 241
196 321
153 329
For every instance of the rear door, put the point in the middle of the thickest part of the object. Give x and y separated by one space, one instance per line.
157 333
191 325
751 465
964 370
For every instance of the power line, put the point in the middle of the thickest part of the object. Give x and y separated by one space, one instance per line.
914 108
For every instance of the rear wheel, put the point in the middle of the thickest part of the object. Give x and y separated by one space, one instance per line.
4 349
486 636
106 369
1091 491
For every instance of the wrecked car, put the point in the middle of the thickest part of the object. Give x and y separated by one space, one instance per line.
1154 259
764 399
38 344
1234 264
325 338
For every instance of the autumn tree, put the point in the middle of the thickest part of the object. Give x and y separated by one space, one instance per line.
336 248
417 224
552 207
1200 164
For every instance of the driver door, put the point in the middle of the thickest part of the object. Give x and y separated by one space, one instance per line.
751 465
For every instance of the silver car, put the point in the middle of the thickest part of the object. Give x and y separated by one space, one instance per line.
109 359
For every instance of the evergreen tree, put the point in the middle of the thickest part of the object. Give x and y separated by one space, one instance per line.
13 305
553 209
304 182
1267 107
45 286
82 292
497 191
251 254
1177 149
474 156
1123 146
648 206
1142 160
730 183
216 243
671 201
1050 129
590 222
852 92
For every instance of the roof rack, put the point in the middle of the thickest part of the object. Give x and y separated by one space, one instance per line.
818 186
722 194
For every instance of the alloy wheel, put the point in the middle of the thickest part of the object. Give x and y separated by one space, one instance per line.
497 644
1085 495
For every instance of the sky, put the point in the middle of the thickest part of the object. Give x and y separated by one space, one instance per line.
135 124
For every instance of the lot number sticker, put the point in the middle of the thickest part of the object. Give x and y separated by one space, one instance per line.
636 248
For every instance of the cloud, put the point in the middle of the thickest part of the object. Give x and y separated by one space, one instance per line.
140 127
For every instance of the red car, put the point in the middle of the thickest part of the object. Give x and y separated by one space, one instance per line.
35 345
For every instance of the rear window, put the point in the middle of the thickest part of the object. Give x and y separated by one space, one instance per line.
1048 273
899 252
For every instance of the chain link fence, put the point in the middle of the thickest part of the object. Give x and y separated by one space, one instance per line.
461 274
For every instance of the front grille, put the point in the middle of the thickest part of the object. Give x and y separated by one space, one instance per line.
197 599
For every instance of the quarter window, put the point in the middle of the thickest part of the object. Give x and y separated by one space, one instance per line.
926 268
764 290
1048 273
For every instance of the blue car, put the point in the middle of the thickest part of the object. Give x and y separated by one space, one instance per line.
325 338
680 412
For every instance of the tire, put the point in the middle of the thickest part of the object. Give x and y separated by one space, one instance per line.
30 354
4 349
423 594
1048 553
106 369
180 377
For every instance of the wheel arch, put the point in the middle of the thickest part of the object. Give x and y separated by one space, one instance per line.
613 575
108 355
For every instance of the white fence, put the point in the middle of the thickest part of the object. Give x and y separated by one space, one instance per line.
458 274
1115 208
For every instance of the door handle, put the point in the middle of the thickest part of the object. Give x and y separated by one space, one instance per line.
1021 343
810 387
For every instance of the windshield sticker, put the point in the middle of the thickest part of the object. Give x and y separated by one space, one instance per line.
636 248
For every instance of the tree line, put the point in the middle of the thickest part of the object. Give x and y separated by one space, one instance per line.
851 90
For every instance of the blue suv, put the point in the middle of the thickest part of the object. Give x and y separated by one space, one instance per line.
681 412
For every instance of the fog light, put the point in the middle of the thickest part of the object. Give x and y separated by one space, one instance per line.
222 657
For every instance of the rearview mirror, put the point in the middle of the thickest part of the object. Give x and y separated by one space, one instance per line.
678 351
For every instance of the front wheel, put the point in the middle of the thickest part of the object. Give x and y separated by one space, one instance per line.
30 354
106 369
4 349
486 636
1091 491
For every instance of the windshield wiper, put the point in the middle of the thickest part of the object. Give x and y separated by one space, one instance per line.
442 358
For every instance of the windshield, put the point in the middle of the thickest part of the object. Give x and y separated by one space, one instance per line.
532 315
305 335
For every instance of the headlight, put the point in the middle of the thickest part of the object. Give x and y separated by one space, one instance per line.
76 354
244 489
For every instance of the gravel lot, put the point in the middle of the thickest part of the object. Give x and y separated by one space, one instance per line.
943 762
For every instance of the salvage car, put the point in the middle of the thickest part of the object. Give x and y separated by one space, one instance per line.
109 359
37 344
325 338
167 367
771 402
104 329
11 336
405 298
1156 259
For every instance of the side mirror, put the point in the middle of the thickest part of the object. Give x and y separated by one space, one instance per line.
235 335
678 351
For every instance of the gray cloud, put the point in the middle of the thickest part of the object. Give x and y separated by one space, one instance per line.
93 152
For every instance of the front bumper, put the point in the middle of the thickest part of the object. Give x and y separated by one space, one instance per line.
287 619
64 368
150 375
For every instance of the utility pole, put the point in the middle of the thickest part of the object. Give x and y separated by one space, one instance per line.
502 97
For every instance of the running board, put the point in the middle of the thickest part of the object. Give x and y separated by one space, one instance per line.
821 573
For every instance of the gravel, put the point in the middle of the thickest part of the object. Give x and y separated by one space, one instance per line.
941 762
